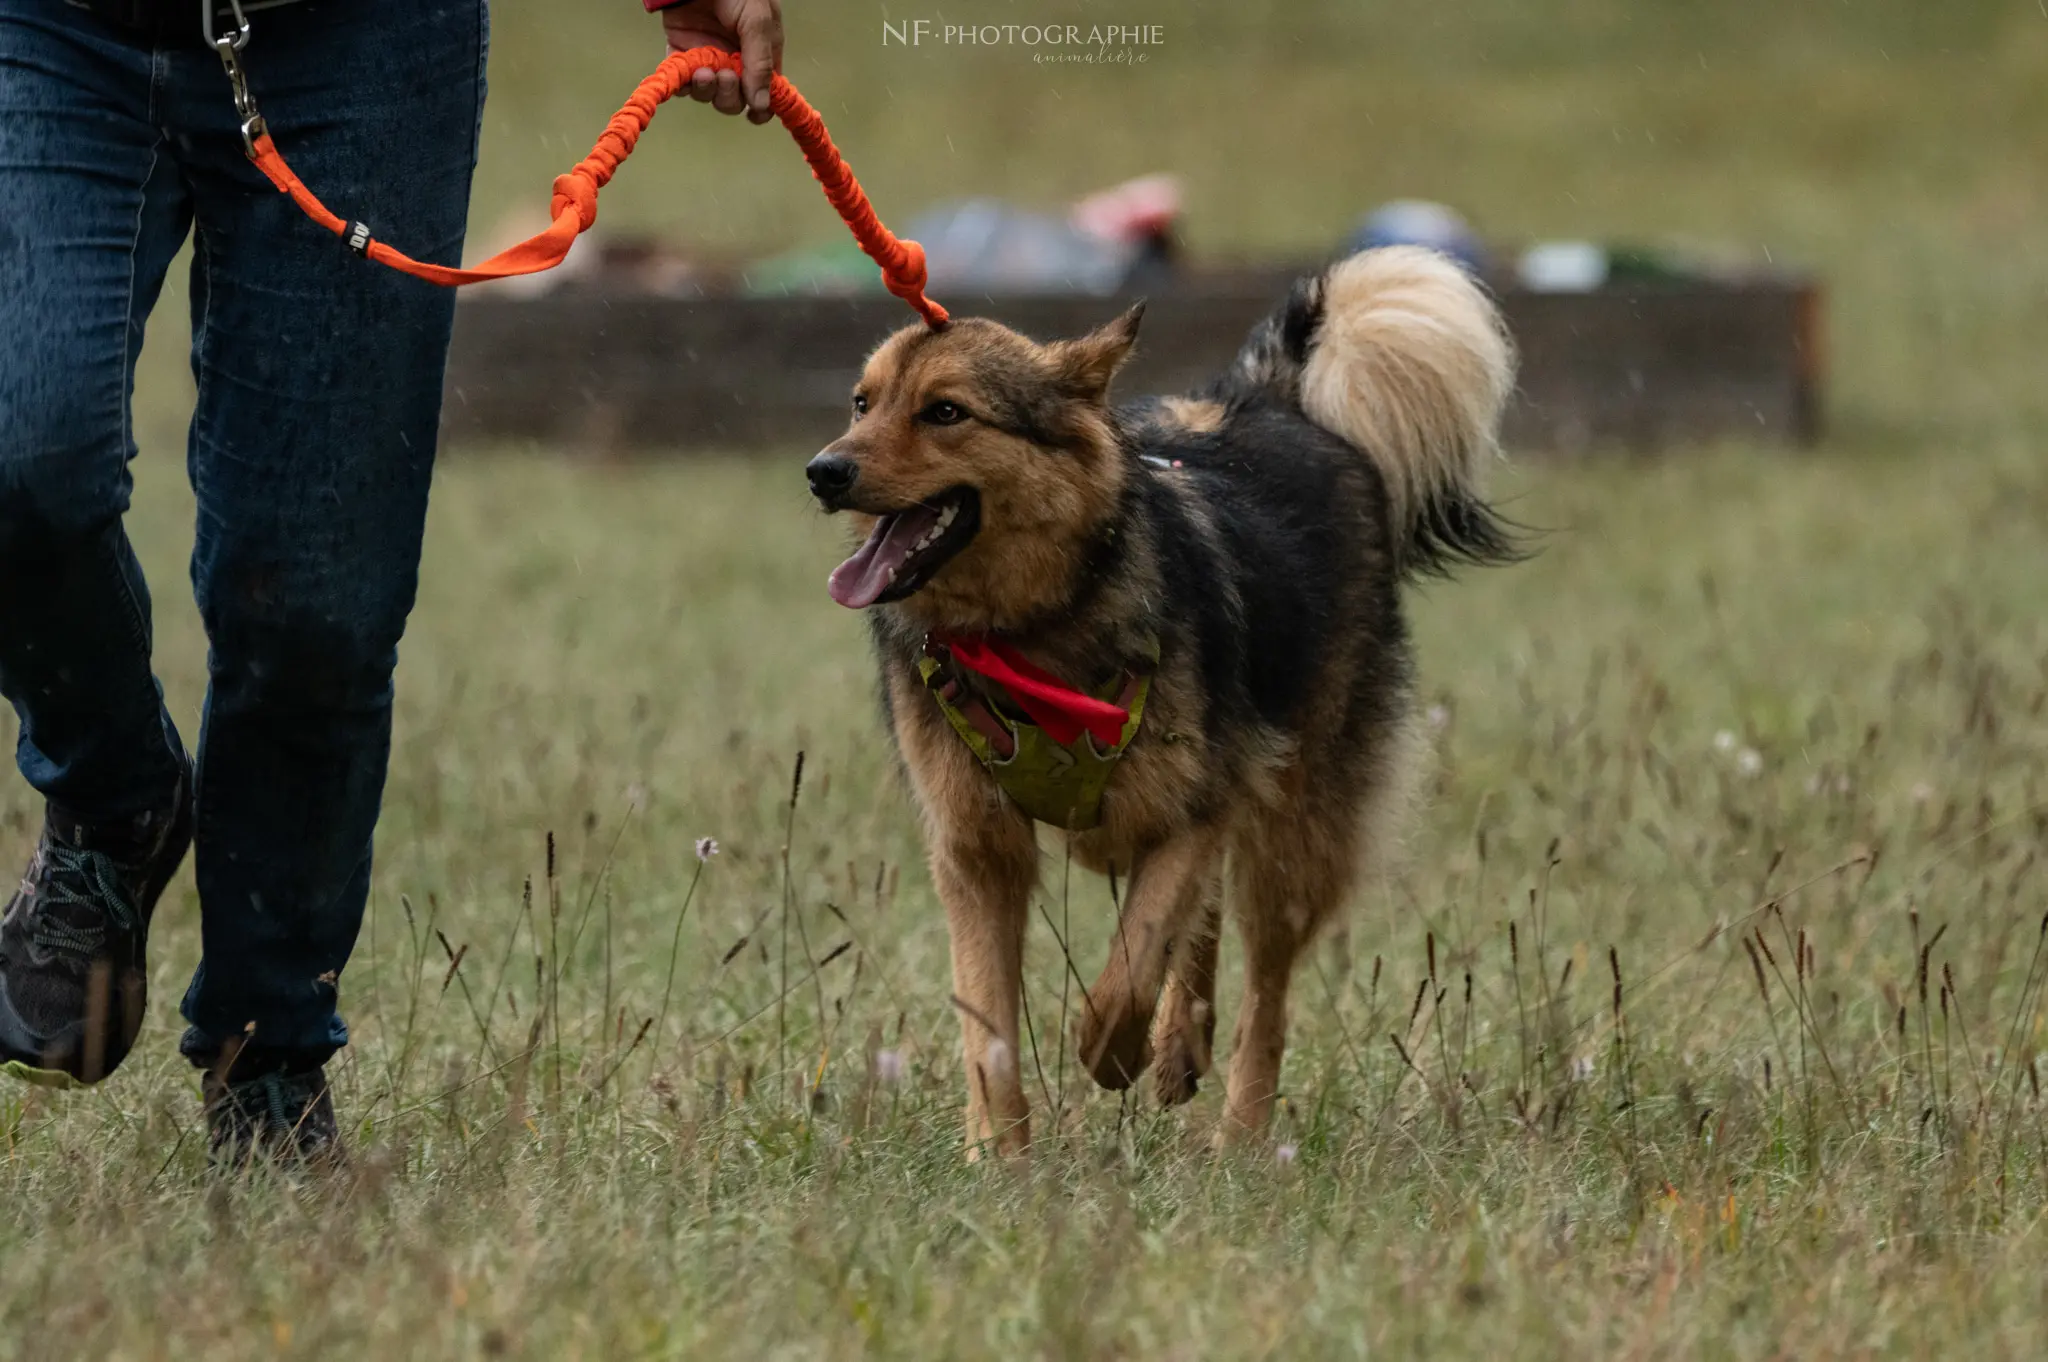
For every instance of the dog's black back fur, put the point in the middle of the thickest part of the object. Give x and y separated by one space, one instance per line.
1269 541
1270 536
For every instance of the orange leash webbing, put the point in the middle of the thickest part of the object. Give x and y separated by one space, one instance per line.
574 207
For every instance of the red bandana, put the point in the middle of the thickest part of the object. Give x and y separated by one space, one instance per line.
1063 712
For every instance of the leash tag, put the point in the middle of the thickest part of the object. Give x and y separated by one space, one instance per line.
359 238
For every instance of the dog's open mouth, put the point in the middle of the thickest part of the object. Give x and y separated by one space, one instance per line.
906 548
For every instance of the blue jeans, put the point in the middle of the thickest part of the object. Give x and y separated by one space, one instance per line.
310 450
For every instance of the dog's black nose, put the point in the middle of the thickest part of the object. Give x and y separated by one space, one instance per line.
832 476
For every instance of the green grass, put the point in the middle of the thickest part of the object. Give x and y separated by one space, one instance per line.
630 658
593 642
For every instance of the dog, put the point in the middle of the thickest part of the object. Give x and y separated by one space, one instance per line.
1172 629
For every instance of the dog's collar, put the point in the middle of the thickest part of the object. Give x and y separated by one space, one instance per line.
1054 760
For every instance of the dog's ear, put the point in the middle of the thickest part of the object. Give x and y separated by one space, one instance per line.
1087 364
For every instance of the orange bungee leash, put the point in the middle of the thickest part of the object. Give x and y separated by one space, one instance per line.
574 207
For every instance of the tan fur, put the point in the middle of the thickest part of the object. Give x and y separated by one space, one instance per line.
1167 888
1037 516
1196 416
1184 1030
1413 365
1297 859
984 861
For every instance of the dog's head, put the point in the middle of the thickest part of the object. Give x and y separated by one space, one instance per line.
977 467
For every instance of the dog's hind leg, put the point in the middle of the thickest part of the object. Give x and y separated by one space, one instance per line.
1168 884
1295 863
1294 870
1184 1032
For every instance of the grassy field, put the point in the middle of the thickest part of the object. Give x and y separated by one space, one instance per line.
1703 1021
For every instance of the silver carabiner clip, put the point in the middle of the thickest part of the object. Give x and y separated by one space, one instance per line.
228 46
239 38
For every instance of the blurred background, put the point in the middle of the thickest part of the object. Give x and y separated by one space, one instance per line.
1895 149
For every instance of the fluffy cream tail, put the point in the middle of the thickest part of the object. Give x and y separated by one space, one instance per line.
1410 362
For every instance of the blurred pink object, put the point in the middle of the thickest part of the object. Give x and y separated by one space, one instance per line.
1143 209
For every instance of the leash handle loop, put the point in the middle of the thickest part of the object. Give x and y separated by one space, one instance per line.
574 205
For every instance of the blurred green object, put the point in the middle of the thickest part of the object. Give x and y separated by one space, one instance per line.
1650 264
830 268
1576 266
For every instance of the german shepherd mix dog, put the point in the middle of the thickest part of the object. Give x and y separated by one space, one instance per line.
1172 628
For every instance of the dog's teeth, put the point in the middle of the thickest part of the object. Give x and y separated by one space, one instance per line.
931 536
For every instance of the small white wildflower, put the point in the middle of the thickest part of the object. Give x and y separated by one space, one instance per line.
1724 741
636 794
1285 1154
889 1067
1922 792
1439 716
1582 1068
1813 784
1750 762
998 1055
707 847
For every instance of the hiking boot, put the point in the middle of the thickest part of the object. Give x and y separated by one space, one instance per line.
276 1117
73 980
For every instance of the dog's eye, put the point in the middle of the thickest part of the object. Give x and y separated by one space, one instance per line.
943 414
860 405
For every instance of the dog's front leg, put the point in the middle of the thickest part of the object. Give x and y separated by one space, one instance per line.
985 883
984 857
1184 1031
1168 885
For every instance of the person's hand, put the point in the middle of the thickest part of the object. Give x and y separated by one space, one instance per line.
752 28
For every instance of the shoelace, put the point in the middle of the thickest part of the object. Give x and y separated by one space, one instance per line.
74 877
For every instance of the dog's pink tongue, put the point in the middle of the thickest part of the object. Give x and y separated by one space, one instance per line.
860 581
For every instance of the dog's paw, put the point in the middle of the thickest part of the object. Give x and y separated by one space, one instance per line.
1175 1079
1181 1052
1115 1043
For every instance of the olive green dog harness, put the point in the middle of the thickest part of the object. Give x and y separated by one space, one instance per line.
1053 782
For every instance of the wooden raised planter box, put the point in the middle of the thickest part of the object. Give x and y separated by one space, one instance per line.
605 365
